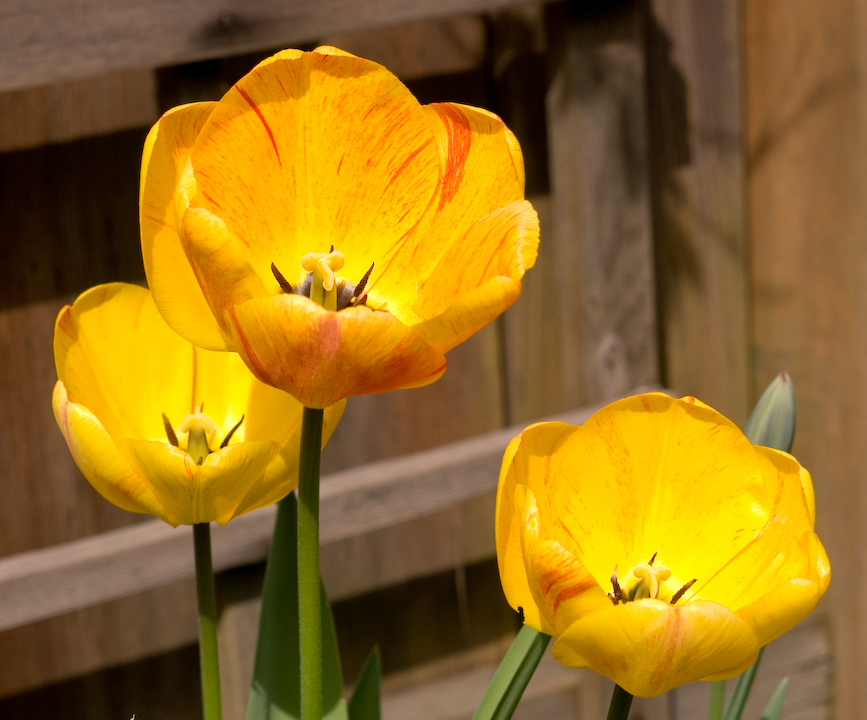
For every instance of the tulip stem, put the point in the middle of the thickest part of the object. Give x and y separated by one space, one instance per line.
309 602
621 701
209 662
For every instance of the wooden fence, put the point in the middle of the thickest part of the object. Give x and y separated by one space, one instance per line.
698 167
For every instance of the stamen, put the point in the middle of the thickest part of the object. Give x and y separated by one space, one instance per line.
680 593
652 558
230 433
284 284
170 433
617 595
358 302
359 288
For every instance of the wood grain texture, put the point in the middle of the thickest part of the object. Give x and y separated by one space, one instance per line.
48 42
807 135
600 201
698 169
44 583
77 109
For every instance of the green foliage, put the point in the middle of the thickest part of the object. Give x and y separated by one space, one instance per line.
365 701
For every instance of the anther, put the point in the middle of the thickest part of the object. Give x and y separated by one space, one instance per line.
230 433
616 595
680 593
357 297
170 433
652 558
284 284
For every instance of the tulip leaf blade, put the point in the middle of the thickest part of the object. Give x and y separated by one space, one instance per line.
511 678
774 708
276 692
772 421
365 701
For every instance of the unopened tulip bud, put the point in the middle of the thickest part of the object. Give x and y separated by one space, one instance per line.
772 422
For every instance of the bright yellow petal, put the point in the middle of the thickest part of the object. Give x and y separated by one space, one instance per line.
317 149
99 460
563 589
208 492
320 357
650 474
467 235
170 277
529 460
118 358
218 261
281 475
648 646
790 490
223 384
780 609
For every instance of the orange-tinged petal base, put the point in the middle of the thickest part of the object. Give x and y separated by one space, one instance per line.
648 646
320 356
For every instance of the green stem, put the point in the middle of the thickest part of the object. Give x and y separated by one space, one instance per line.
621 701
209 662
717 697
309 607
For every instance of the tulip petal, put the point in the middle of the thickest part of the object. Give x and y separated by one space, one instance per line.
118 358
789 488
479 178
529 460
281 475
208 492
320 356
317 149
781 609
222 384
653 474
99 460
218 262
178 295
563 589
648 646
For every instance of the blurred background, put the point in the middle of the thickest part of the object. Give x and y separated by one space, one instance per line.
699 168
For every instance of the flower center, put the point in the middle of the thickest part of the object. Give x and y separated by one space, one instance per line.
321 285
648 584
201 434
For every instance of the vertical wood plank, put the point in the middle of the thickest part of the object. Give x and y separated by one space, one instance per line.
698 170
806 130
600 201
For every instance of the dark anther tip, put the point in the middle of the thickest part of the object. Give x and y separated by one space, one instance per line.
680 593
231 432
652 559
284 284
170 432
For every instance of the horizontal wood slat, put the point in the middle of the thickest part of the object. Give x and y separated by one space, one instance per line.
46 42
43 583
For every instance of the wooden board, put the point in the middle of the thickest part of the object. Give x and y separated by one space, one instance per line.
698 170
602 286
807 134
77 109
47 42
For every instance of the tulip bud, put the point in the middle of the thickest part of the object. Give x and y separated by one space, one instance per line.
772 422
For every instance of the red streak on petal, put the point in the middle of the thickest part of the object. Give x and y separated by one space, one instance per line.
160 221
211 200
405 164
255 363
262 118
460 139
571 592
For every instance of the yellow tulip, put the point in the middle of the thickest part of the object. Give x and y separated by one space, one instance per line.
324 165
656 543
159 426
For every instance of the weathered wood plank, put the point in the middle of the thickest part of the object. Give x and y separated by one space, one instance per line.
600 201
77 109
807 144
43 583
47 42
698 169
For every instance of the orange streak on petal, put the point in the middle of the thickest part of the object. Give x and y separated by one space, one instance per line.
460 139
258 112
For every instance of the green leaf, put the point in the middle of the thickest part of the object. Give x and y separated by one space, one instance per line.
772 421
365 701
508 684
275 694
774 708
742 690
